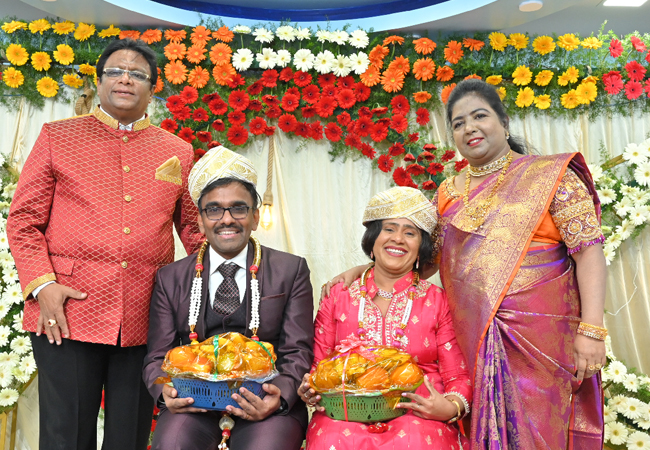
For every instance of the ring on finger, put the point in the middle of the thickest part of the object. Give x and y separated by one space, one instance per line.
51 322
591 367
599 366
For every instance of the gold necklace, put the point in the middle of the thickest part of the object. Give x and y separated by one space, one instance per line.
478 213
494 166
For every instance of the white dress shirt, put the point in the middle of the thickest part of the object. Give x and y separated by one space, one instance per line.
216 278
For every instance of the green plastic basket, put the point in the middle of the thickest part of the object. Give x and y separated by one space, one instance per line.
365 408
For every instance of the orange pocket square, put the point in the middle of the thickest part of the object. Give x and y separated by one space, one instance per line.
171 171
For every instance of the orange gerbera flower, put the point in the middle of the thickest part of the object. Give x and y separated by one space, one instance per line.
175 35
392 80
393 39
473 76
400 63
160 85
223 34
130 34
196 53
370 77
424 69
421 97
453 52
176 72
446 91
473 44
200 35
175 51
220 54
377 55
424 46
223 73
444 73
198 77
151 36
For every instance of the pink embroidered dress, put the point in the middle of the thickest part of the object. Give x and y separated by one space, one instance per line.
429 337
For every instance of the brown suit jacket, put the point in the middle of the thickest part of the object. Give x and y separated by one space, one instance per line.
286 317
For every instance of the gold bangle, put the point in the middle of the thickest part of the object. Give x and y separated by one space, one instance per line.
454 419
592 331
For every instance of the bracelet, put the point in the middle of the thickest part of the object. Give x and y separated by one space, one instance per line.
592 331
454 419
462 399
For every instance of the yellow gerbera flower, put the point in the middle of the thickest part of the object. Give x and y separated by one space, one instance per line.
494 79
10 27
590 79
109 32
522 76
502 92
568 42
518 41
63 54
73 80
62 28
543 101
569 76
525 97
498 41
38 26
87 69
41 61
543 78
16 54
570 100
592 42
84 31
47 87
586 92
13 77
543 45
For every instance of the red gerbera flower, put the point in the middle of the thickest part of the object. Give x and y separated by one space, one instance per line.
429 147
429 185
615 48
385 122
333 132
396 149
218 125
414 137
174 103
200 115
207 98
613 82
460 165
427 156
385 163
236 81
378 132
316 131
273 111
362 92
237 135
198 153
301 78
647 87
293 91
286 74
302 129
353 140
635 71
238 100
399 123
269 131
400 105
638 44
346 98
255 105
329 91
346 82
415 169
308 111
435 168
367 150
290 102
448 156
328 79
255 88
311 94
325 107
402 178
364 126
257 126
213 144
379 111
189 95
364 111
269 78
204 136
182 114
270 100
218 106
409 158
169 125
186 134
633 89
237 117
423 117
287 122
343 119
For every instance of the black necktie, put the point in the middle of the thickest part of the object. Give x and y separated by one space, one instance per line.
226 299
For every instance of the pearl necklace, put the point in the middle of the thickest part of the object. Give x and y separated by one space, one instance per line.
197 288
398 334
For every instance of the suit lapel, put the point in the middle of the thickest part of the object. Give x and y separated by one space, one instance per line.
205 296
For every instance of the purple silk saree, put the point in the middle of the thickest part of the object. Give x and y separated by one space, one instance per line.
516 313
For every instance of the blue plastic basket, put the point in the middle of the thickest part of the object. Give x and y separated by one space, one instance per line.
213 395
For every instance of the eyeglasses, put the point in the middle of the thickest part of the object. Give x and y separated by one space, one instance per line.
217 212
116 72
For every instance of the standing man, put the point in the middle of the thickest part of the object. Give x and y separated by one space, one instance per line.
222 184
89 226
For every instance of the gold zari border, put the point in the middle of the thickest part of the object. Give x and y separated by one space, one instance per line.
171 179
36 283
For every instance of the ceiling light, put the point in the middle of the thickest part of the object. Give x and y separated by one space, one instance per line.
624 2
531 5
49 0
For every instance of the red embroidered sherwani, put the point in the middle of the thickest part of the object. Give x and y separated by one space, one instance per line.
94 210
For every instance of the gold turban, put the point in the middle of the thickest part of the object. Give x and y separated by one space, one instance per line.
402 203
219 162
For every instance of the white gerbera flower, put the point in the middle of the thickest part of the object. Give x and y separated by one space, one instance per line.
635 154
20 345
303 60
618 371
323 62
609 414
8 397
286 33
631 382
266 59
596 172
28 364
6 260
241 29
643 423
10 276
638 440
4 309
646 382
340 37
608 346
640 197
263 35
638 215
20 375
359 62
8 359
9 191
13 294
323 36
624 206
609 253
625 229
614 240
283 58
5 331
634 409
359 39
242 59
341 66
3 221
628 190
4 207
4 242
617 433
18 322
606 196
6 376
303 33
642 174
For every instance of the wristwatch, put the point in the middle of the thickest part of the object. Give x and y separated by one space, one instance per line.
283 409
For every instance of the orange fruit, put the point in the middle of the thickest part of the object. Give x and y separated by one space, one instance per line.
180 357
406 375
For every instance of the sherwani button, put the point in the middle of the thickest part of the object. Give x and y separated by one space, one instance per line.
125 139
124 265
127 230
127 198
127 169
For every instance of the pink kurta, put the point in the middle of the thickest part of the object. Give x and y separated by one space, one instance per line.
429 337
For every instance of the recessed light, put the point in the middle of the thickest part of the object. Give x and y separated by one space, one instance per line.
624 2
49 0
531 5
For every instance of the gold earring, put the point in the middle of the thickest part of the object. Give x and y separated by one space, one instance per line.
507 134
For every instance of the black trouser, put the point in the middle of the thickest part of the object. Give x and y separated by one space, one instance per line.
70 381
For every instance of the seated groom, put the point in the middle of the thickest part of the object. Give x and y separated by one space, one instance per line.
222 184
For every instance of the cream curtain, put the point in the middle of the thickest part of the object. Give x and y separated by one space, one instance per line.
318 203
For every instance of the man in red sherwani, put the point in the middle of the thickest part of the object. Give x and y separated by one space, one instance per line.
90 224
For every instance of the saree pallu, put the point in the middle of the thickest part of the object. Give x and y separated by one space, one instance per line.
516 313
